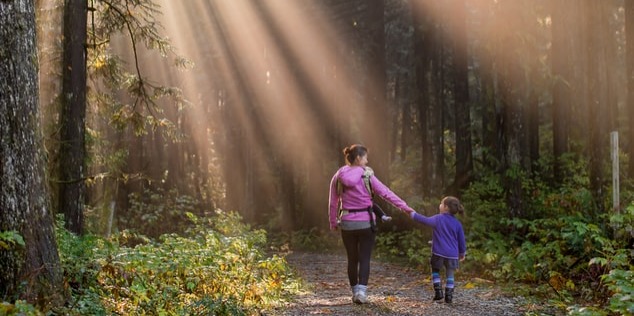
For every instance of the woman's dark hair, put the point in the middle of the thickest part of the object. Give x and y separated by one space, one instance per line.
454 205
351 153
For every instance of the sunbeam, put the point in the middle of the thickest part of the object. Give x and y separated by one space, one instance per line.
276 89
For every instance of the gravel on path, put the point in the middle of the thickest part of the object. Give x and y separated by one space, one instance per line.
393 290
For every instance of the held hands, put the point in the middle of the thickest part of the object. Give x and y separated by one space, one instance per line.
410 213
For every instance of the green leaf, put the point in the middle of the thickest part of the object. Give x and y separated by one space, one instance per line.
598 260
11 237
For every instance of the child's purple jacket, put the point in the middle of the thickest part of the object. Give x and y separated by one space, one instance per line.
355 195
448 237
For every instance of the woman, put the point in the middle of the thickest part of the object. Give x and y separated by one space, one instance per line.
351 190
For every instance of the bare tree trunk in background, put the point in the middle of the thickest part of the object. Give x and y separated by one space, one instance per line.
423 46
595 61
406 138
511 111
487 103
562 76
532 124
532 75
31 272
612 67
629 33
464 159
72 154
441 117
377 122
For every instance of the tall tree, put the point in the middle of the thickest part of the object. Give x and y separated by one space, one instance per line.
424 45
377 122
629 33
561 71
595 90
533 76
72 153
511 113
464 159
32 271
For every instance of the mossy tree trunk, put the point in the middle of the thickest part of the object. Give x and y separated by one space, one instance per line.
31 271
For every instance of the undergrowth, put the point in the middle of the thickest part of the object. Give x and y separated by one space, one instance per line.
219 267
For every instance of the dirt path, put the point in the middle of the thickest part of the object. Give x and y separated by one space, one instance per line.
393 290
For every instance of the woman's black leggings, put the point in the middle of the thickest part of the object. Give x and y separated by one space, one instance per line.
359 244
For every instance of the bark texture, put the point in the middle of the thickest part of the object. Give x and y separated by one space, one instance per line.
73 127
32 271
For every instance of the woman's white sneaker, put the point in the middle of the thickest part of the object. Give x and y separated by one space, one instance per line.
361 296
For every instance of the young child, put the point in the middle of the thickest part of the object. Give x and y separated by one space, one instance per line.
448 244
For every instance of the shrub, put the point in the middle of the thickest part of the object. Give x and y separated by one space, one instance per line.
219 269
150 211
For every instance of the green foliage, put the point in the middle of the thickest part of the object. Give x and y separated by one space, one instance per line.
554 241
621 283
139 22
219 269
9 239
558 242
616 256
19 308
155 213
412 244
313 239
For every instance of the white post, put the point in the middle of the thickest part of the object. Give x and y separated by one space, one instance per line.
614 142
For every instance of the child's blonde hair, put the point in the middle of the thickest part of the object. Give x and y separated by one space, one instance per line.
454 205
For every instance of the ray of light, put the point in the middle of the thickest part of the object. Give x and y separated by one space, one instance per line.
284 67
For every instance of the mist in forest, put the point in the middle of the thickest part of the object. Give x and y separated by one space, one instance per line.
274 90
271 91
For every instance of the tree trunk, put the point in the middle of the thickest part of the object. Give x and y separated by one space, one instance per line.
488 109
377 124
423 48
464 160
532 77
406 118
511 113
629 34
31 272
595 58
72 188
532 125
561 83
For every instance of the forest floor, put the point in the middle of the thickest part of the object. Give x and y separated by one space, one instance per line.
394 290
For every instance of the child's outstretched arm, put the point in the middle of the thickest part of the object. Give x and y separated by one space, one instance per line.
429 221
386 194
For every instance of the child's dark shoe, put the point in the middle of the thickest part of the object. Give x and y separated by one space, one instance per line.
437 292
448 295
